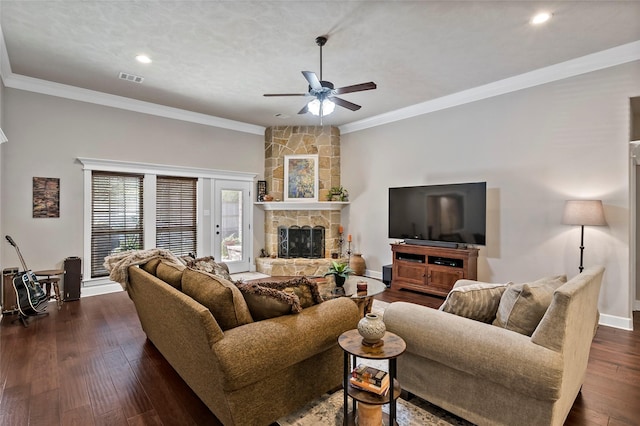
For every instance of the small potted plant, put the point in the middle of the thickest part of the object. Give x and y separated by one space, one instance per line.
340 272
337 193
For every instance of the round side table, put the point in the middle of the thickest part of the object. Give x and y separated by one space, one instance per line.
369 409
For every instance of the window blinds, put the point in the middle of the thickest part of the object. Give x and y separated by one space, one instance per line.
116 216
176 214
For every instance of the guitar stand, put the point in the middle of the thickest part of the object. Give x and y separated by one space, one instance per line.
23 318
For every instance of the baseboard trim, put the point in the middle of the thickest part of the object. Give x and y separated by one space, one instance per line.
616 322
373 274
100 289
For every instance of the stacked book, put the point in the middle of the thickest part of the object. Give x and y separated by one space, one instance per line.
370 379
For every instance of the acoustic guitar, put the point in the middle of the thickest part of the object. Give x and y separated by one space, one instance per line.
30 297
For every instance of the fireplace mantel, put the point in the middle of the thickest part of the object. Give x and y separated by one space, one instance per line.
302 205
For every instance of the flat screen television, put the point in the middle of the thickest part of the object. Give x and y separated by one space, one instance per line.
447 214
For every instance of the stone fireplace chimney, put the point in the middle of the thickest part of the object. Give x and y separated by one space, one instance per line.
302 140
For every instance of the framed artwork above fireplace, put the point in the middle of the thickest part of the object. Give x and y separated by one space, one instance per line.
300 178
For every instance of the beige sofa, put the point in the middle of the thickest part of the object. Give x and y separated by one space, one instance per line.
249 374
494 376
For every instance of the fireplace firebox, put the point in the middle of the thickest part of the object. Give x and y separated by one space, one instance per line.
301 241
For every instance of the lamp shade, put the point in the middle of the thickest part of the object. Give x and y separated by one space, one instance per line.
584 212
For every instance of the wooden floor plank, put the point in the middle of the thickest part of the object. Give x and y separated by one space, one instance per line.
102 392
90 363
44 368
133 399
8 344
79 416
74 392
19 370
14 406
112 418
149 418
158 384
44 408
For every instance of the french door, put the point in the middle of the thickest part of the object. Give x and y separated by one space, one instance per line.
231 226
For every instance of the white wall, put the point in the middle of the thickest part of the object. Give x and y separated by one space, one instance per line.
2 89
636 305
635 136
535 149
49 133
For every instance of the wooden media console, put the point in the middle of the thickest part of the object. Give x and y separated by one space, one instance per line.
432 270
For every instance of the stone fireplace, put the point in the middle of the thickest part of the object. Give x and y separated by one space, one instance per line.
300 140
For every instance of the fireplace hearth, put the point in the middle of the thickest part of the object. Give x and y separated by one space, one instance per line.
301 241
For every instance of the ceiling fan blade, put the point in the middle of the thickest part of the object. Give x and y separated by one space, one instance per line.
355 88
312 78
345 104
304 109
286 94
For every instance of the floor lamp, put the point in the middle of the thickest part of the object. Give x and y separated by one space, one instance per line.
583 212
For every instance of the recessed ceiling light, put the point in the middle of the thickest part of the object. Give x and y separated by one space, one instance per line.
143 59
541 18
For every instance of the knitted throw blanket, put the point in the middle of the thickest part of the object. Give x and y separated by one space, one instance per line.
117 264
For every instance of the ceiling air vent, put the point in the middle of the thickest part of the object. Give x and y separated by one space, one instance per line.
130 77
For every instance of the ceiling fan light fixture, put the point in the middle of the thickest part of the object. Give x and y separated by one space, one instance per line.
327 107
323 92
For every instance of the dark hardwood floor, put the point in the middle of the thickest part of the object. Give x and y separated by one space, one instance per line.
90 364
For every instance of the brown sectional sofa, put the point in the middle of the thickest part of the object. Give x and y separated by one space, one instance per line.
246 372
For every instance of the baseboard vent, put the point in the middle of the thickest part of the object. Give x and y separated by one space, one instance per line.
130 77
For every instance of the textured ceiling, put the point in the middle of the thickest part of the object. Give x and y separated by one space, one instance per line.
220 57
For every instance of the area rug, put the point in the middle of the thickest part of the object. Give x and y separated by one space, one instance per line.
328 410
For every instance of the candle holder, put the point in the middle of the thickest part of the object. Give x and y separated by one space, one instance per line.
348 251
340 243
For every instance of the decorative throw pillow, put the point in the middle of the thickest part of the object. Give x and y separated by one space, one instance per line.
273 299
151 266
171 273
223 299
478 301
522 306
208 264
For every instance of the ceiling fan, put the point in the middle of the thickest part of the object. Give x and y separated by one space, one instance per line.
324 93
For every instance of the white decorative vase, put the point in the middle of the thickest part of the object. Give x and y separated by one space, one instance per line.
371 328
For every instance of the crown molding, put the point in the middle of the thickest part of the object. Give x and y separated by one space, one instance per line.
21 82
151 168
596 61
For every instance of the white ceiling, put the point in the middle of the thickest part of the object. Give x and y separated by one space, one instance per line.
219 57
